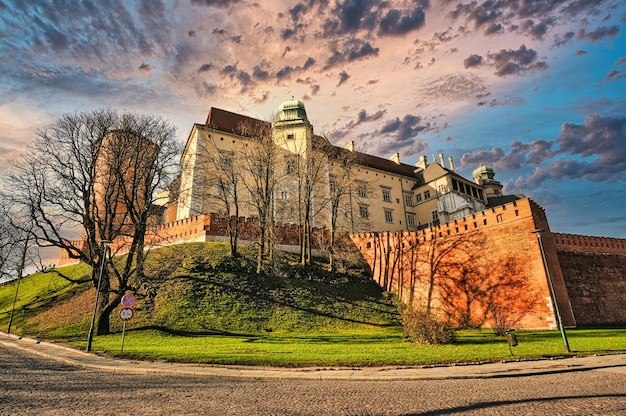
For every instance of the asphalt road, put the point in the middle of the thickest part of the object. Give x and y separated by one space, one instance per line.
31 385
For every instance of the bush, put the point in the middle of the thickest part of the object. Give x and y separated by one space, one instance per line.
423 328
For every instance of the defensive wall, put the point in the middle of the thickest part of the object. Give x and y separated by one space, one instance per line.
588 273
203 228
595 274
499 241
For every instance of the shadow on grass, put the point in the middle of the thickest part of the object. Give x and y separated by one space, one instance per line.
190 334
253 292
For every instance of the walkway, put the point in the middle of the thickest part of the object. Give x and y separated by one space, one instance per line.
615 363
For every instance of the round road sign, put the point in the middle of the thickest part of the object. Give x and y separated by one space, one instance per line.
128 300
126 314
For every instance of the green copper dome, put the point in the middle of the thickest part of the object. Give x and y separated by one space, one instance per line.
292 110
485 172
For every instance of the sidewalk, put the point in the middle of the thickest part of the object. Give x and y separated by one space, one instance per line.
74 357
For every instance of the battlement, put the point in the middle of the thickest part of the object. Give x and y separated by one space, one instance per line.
589 244
202 228
508 213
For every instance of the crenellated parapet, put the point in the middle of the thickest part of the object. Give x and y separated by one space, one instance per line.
589 244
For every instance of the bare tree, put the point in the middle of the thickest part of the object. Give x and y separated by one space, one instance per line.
258 163
91 178
343 194
222 178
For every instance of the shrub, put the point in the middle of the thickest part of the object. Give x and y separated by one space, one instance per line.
423 328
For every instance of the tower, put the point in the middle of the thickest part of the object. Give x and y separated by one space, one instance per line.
484 176
292 131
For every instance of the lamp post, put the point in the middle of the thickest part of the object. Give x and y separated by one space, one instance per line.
17 288
105 246
538 232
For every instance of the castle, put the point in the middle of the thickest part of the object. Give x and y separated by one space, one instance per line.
399 216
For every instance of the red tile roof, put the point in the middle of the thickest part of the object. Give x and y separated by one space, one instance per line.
227 121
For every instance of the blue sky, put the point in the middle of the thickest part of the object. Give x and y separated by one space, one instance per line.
536 89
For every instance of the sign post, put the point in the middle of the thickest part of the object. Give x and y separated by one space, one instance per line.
126 314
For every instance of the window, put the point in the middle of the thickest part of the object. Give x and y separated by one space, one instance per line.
386 195
410 219
427 194
333 185
361 190
290 137
442 189
226 161
408 200
418 198
291 167
363 212
388 216
435 215
284 195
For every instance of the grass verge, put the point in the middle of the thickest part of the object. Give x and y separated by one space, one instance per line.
383 347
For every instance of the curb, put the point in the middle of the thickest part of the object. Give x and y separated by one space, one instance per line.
77 358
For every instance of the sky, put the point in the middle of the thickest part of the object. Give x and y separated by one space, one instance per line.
536 89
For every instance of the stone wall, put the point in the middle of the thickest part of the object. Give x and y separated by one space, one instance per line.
498 242
211 227
596 284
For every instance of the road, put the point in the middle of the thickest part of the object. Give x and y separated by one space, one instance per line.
31 385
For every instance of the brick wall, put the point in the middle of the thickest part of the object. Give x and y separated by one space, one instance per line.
596 284
589 244
202 228
497 235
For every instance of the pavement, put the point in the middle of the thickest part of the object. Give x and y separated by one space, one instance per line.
513 368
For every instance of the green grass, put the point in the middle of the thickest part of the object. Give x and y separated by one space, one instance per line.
198 305
356 348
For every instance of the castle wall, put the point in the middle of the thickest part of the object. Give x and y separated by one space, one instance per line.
594 269
494 241
212 227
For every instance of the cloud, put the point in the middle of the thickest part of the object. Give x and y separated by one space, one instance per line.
516 62
343 77
521 154
394 23
453 87
205 67
145 67
351 50
537 31
594 151
259 73
601 137
472 61
214 3
372 16
479 14
404 129
598 34
562 40
613 75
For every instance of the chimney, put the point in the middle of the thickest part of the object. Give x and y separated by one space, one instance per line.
396 158
422 162
350 146
451 163
442 160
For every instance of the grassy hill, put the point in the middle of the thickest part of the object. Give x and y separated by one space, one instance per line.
198 305
198 289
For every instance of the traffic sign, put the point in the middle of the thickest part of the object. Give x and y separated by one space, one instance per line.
126 314
128 300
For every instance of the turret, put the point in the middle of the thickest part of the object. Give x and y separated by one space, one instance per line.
484 176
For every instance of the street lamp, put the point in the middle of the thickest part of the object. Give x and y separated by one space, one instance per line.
105 246
538 232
